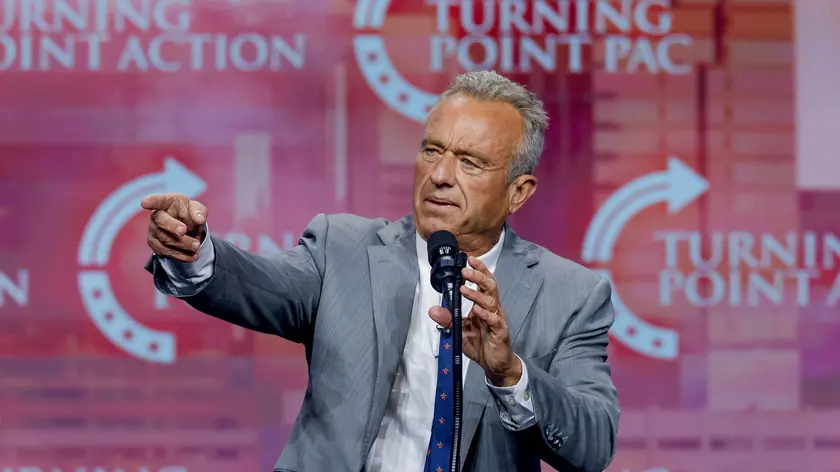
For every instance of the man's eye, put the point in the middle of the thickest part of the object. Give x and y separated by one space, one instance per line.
430 150
468 163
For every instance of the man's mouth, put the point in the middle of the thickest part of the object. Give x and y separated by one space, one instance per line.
440 201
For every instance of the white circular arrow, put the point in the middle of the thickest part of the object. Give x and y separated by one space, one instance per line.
380 74
94 252
678 186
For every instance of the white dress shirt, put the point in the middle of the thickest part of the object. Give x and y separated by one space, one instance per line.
404 434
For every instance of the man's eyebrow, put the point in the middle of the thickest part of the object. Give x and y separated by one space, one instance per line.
427 141
480 158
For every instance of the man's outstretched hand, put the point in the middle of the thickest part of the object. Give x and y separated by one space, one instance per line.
176 225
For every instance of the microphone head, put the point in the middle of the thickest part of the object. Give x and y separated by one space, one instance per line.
442 248
441 244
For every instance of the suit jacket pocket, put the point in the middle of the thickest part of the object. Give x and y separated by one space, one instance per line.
543 361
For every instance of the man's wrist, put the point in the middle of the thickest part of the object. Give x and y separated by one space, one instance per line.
509 377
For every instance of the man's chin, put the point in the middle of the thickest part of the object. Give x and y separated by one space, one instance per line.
428 224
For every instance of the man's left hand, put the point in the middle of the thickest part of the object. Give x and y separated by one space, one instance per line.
486 339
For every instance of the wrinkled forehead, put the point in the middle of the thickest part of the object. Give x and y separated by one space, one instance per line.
463 120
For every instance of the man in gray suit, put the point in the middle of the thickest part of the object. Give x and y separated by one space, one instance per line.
356 293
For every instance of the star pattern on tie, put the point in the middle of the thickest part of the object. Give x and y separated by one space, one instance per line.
440 442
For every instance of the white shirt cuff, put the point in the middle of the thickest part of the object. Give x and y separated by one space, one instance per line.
515 405
191 276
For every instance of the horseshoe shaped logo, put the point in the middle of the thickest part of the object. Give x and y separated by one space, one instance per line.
383 78
677 186
110 216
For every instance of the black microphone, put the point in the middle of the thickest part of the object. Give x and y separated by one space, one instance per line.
442 248
447 262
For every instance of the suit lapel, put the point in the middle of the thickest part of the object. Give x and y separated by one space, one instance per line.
518 288
393 275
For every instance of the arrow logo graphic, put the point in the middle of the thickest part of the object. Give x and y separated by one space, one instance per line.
677 186
122 204
95 251
379 72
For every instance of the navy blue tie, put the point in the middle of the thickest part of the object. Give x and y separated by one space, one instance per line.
440 444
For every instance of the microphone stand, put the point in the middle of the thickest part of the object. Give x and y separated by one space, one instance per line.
454 301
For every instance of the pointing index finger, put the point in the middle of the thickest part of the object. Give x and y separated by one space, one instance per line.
156 202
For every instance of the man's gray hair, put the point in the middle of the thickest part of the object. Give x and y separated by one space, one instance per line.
490 86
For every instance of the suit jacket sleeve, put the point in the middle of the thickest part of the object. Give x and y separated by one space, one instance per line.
575 401
274 295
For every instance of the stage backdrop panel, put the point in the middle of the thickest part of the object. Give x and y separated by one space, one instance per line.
690 159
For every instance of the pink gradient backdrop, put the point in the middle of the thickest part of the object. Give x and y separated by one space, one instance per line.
755 387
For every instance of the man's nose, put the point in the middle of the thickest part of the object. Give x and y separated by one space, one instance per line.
443 172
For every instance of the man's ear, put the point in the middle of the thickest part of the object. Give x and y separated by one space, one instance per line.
520 190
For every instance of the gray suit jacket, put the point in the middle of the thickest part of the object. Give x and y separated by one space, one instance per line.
346 293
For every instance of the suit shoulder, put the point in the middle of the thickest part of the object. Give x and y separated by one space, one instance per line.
558 269
346 226
349 221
